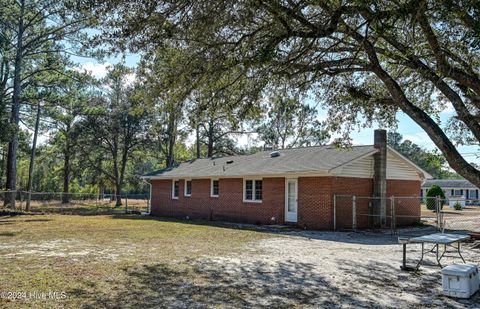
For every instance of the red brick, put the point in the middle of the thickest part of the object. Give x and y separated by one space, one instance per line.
315 201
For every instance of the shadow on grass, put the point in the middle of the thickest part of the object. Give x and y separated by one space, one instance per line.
366 237
8 234
236 285
26 220
422 288
37 220
264 284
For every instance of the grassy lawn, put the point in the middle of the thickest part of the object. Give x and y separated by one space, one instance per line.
106 261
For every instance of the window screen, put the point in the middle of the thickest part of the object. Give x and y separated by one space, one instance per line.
176 186
253 190
188 190
215 188
249 189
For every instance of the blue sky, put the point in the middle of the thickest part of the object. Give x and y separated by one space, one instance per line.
408 128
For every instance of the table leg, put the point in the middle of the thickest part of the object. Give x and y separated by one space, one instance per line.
404 266
439 258
459 253
421 258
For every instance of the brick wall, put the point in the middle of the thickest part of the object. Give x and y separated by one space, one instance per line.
407 200
229 206
362 188
315 201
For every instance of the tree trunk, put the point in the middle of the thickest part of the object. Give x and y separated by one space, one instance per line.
101 190
122 174
118 191
15 116
32 158
1 163
66 178
210 139
116 173
197 132
66 167
169 158
171 140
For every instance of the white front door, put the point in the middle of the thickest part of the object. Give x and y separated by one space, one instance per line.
291 192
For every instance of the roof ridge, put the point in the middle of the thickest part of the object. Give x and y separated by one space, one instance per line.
300 159
319 146
270 150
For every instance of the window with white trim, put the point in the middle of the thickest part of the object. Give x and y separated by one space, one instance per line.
188 187
253 190
215 188
175 188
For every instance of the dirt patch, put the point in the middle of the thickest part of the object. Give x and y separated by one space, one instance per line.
299 269
56 248
137 262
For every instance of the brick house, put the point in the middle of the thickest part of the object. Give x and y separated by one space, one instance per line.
287 186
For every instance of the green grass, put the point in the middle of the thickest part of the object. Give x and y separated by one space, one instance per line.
95 260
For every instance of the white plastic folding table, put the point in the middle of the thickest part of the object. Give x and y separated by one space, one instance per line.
437 239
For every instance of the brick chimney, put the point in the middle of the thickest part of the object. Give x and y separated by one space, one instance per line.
380 178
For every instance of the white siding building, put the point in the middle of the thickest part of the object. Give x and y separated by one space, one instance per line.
454 189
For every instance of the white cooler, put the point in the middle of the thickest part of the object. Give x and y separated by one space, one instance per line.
460 280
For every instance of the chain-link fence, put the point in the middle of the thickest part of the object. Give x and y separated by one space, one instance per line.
397 213
361 212
74 203
460 214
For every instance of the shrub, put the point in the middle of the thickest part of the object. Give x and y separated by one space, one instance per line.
457 206
433 192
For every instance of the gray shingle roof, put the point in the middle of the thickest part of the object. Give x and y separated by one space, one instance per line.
448 183
296 160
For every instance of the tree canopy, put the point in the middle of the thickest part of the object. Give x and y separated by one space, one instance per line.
212 73
366 60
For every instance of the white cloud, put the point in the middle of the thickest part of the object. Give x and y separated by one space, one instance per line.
98 70
448 109
421 139
130 78
357 142
244 140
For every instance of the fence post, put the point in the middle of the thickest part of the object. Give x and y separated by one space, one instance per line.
61 202
126 204
440 211
439 215
354 213
334 212
21 199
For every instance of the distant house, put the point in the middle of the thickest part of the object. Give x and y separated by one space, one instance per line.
454 189
287 186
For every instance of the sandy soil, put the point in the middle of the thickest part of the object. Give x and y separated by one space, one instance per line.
102 262
337 270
